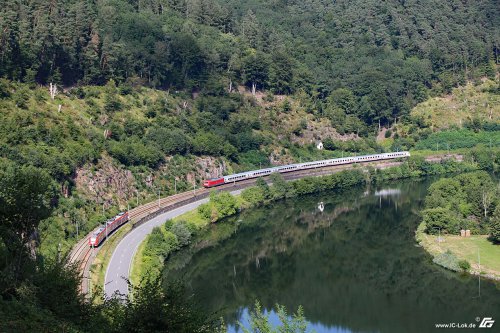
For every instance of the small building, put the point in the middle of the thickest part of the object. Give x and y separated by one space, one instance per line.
319 145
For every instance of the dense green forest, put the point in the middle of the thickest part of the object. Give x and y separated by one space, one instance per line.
466 201
365 59
154 95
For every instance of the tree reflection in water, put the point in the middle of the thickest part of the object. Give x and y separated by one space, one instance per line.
354 265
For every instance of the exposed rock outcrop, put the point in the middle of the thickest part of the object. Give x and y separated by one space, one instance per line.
106 182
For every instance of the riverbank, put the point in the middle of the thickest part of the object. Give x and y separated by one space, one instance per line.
471 249
152 254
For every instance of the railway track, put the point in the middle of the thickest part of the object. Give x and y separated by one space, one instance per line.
80 256
83 255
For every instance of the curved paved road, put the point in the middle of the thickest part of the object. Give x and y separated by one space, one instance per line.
119 266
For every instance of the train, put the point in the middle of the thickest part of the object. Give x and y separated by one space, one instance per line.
302 166
106 229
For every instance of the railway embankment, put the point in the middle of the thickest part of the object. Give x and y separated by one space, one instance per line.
250 198
146 213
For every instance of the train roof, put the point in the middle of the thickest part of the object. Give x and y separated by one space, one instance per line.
298 165
98 230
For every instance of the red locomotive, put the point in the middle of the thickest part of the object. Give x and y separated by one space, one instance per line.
105 230
213 182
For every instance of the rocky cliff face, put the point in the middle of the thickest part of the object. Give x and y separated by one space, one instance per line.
109 183
106 182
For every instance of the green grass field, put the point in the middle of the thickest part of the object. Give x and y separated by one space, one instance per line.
466 248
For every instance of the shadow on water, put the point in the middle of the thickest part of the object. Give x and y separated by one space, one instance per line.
351 263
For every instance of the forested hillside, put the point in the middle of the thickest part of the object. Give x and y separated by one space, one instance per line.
106 103
368 59
158 95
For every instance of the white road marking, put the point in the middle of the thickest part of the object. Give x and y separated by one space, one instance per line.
127 246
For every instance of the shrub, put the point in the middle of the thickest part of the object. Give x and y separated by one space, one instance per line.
253 159
448 260
286 106
182 232
133 151
205 210
112 103
208 143
171 141
440 219
388 133
21 97
464 265
253 195
495 226
4 88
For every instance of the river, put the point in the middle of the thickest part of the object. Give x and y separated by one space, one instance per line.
350 259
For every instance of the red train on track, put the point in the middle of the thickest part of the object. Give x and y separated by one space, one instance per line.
302 166
105 230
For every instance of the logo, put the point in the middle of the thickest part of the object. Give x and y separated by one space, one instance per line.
487 322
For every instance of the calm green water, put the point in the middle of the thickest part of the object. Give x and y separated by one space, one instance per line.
354 266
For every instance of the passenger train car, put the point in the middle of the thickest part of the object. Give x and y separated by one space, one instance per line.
104 230
302 166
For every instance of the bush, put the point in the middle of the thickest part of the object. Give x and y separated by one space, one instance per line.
448 260
464 265
253 159
21 97
133 151
4 88
208 143
280 187
112 103
440 219
220 205
253 195
269 97
205 210
388 133
246 141
182 232
483 157
495 225
171 141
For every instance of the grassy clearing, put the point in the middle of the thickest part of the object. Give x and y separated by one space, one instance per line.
464 103
441 152
430 152
456 139
467 249
101 261
192 217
